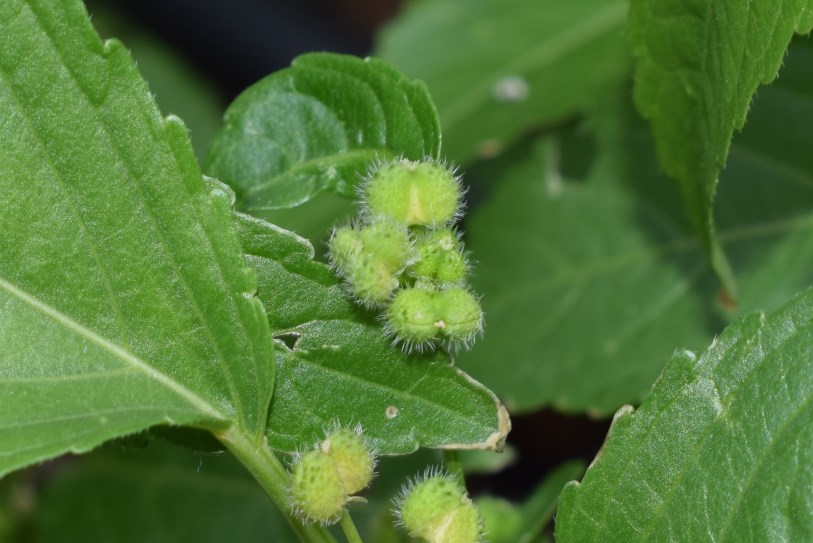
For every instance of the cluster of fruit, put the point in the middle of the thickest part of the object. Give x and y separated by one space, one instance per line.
404 256
324 479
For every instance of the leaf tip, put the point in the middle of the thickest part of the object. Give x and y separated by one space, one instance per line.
496 441
619 419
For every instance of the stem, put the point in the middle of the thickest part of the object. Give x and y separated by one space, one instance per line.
266 468
349 529
452 463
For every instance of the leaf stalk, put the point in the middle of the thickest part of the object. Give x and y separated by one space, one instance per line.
349 528
272 476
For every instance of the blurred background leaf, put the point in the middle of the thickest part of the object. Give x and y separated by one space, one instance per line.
590 284
498 68
506 522
159 493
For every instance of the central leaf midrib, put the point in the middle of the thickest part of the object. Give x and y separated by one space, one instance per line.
27 423
332 159
117 351
372 384
235 396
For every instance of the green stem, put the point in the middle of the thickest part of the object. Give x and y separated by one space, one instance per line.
452 463
266 468
349 529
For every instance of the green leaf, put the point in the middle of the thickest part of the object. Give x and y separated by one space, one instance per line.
575 278
315 219
335 364
317 126
157 494
721 450
699 65
497 68
122 283
590 283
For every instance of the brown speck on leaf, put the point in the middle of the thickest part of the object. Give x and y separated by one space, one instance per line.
725 301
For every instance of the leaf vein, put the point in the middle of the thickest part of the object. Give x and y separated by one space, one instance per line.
116 350
236 397
382 387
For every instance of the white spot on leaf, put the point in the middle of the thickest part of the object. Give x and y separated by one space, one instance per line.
511 89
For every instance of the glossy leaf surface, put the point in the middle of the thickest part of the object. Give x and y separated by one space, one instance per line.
319 125
720 450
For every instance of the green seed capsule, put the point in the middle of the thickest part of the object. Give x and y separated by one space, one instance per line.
370 259
354 460
461 314
412 317
464 525
440 257
316 488
387 243
437 510
413 193
345 246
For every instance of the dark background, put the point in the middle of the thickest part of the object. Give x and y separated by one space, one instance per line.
236 42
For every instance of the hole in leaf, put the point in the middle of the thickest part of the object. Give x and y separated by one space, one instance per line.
290 339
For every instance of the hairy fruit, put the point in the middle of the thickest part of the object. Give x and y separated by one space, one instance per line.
461 314
355 461
437 510
439 257
413 193
316 488
412 317
404 257
370 258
